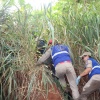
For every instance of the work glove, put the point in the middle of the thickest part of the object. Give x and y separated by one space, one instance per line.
78 80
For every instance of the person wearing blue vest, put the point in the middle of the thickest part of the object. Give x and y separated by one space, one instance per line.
92 68
63 66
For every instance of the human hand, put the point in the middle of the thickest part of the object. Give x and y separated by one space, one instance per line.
78 80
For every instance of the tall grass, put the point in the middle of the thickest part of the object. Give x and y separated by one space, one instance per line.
19 77
79 26
70 22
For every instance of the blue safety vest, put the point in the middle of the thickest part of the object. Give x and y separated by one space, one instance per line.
60 53
95 67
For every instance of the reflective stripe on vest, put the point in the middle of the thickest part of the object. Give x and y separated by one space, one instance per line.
59 53
94 68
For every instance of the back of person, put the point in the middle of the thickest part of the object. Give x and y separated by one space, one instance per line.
60 53
62 63
94 62
63 67
95 67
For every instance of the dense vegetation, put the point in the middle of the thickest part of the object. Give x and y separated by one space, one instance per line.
72 22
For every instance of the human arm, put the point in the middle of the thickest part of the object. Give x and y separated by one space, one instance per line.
85 72
88 68
44 57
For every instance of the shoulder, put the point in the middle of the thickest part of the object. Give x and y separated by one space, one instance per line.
88 63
